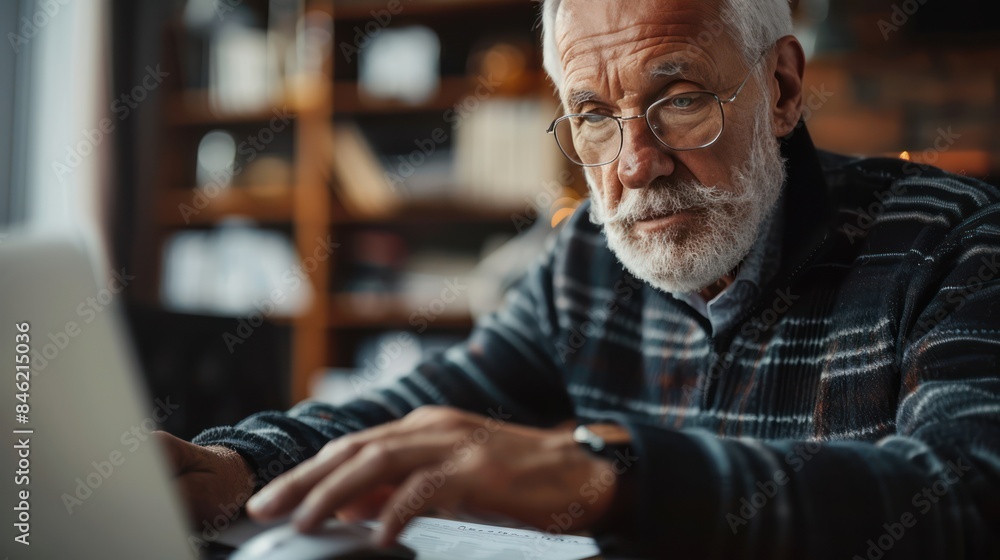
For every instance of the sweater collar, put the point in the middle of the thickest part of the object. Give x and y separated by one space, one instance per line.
808 203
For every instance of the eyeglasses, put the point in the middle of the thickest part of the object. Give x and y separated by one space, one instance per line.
683 121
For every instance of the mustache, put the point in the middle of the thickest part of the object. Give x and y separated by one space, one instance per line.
664 197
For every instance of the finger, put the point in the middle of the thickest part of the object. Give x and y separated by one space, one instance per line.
381 462
283 493
367 506
421 492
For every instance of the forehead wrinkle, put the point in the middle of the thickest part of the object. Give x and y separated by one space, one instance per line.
606 42
684 24
679 20
591 33
601 60
597 74
592 55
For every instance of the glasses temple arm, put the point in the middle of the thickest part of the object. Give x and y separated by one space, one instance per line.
746 79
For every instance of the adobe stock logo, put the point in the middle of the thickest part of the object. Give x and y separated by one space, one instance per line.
33 25
923 502
381 19
900 16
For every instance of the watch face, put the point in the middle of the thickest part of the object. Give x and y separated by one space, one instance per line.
599 437
584 436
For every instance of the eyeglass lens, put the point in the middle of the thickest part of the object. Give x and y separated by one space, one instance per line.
682 122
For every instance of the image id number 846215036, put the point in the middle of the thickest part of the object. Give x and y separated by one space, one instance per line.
22 433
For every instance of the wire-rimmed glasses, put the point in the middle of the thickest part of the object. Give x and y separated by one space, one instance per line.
688 120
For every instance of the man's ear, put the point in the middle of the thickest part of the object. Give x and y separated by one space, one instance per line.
786 85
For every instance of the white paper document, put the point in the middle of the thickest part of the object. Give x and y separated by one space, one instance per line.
443 539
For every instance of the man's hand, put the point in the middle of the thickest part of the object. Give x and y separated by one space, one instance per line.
441 458
211 479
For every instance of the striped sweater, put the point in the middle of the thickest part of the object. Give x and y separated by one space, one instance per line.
852 412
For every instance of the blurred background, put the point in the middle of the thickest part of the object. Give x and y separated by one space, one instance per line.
307 197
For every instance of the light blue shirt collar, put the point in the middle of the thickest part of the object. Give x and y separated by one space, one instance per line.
757 268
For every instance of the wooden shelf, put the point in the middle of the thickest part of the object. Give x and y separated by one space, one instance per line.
384 311
349 100
182 207
433 213
192 108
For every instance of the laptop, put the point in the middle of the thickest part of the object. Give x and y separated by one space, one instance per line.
81 473
82 476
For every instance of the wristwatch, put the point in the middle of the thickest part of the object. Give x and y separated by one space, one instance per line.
613 443
609 441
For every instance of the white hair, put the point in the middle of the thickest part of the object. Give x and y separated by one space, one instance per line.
753 24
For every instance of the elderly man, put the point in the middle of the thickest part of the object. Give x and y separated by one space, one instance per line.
750 348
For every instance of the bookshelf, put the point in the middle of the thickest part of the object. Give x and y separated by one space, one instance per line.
311 205
452 89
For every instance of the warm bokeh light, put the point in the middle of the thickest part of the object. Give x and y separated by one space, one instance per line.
561 215
566 202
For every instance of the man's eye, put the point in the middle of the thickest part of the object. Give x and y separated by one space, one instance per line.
591 118
680 102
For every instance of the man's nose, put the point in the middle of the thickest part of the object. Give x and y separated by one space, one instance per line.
643 158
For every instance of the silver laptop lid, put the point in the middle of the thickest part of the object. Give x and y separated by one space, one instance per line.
84 478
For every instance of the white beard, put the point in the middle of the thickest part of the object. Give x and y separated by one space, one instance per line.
728 222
